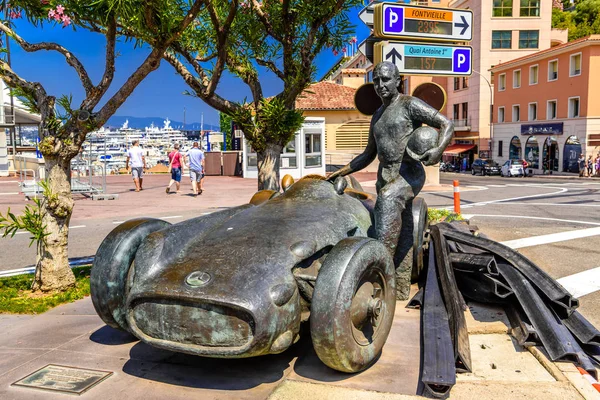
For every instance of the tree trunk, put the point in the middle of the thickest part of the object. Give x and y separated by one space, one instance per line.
53 272
268 167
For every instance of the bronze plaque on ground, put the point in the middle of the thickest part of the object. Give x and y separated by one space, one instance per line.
59 378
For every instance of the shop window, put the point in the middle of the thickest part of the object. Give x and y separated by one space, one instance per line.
501 39
312 149
288 155
502 8
252 158
574 107
529 39
500 144
571 154
551 110
501 82
517 79
532 112
532 152
533 74
514 150
500 114
575 65
516 117
552 70
550 155
530 8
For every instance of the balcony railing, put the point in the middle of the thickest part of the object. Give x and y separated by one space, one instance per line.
462 123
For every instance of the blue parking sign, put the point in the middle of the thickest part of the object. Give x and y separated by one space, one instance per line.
461 61
394 19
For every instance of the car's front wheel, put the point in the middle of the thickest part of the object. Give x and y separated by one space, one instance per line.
472 172
353 304
108 278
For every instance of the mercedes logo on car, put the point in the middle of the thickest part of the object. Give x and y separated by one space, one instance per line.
198 279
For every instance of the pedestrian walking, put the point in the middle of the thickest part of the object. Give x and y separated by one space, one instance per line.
590 166
137 162
176 165
195 159
581 165
598 165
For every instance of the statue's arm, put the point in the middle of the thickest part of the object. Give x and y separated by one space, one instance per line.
361 161
432 117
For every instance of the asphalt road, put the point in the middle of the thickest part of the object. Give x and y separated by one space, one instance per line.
506 209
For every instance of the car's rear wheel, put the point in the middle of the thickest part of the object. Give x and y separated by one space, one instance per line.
108 278
353 304
472 171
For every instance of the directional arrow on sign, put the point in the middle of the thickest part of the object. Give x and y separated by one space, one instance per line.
366 15
464 25
393 54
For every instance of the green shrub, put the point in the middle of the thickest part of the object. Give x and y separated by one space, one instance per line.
442 215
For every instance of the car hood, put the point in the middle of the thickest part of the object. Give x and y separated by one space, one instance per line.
249 251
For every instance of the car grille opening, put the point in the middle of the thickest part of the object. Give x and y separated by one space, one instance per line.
202 324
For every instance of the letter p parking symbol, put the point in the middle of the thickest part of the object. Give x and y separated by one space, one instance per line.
461 61
393 19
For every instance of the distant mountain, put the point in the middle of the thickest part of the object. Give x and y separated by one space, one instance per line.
116 121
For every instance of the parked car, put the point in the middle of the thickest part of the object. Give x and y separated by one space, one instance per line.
512 168
238 282
448 167
483 166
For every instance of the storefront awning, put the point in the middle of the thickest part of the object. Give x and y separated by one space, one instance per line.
456 149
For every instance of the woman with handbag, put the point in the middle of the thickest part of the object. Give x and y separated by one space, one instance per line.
176 165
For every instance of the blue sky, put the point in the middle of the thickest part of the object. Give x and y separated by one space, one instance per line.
159 95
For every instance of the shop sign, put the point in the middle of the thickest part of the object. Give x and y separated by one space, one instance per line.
542 129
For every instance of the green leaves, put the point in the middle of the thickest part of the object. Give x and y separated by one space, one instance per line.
31 220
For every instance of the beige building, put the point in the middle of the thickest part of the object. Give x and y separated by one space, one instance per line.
503 31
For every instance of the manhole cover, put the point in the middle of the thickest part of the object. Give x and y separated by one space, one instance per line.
59 378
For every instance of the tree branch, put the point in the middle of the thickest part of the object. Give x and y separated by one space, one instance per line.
69 57
109 70
265 21
272 67
212 99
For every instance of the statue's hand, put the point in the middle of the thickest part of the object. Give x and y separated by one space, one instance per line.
432 156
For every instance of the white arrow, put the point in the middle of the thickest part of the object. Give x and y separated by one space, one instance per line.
366 15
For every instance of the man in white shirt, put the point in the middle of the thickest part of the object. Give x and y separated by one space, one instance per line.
138 164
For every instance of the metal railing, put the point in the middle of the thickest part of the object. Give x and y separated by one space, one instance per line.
462 123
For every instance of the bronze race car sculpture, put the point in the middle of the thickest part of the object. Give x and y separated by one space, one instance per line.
239 282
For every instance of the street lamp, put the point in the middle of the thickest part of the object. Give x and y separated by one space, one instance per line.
491 112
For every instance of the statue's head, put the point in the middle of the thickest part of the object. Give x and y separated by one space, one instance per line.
386 79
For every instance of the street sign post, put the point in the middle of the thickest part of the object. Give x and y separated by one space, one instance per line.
425 58
398 21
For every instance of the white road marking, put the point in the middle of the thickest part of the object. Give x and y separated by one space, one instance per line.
71 227
169 217
496 186
551 204
551 238
560 190
582 283
528 217
9 181
9 194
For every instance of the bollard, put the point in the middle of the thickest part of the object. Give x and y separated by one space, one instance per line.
456 197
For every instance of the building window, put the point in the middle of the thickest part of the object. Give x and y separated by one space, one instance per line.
288 155
517 79
533 74
551 110
501 39
313 149
529 39
465 112
456 111
532 111
574 107
465 82
552 70
530 8
500 144
456 83
502 8
502 82
575 65
500 114
516 117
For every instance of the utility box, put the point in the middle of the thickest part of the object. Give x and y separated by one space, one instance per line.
212 163
231 163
